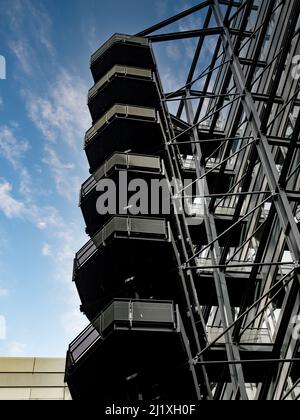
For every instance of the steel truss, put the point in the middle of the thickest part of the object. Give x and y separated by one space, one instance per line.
238 115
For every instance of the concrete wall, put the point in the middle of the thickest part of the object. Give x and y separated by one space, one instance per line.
33 379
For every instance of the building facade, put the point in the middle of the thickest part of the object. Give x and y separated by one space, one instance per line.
201 301
33 378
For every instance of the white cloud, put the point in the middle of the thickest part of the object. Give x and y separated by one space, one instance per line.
46 250
25 183
173 51
66 179
41 217
24 54
2 328
62 113
42 24
44 217
27 17
12 148
41 225
190 23
40 112
91 35
62 117
9 205
66 242
64 239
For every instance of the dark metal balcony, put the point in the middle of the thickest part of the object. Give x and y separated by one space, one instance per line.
123 84
130 256
122 128
133 345
124 50
136 166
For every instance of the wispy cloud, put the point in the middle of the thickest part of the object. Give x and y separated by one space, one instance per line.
46 250
190 22
8 204
24 53
26 188
67 181
58 110
61 113
28 17
62 117
42 23
42 217
173 51
90 28
11 147
64 239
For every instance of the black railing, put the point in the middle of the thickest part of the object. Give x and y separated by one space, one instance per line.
126 314
129 39
120 226
141 163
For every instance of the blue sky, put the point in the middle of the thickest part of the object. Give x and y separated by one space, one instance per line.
43 117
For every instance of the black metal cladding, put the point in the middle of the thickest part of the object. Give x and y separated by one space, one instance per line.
124 127
122 337
124 50
119 166
123 84
113 262
124 315
128 256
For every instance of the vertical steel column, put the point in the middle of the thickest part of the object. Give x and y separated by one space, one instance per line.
236 371
187 280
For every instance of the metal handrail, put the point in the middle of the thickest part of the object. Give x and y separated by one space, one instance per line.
254 334
118 69
90 183
118 38
90 248
83 337
121 109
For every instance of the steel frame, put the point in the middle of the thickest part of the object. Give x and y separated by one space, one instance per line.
248 84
